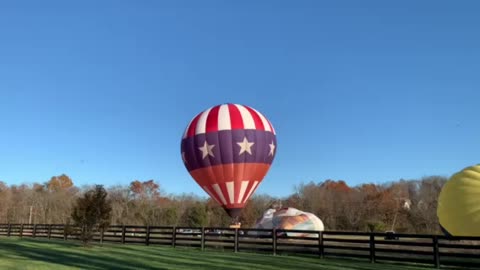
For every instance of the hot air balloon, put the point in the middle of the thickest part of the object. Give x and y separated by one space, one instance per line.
228 149
290 218
458 208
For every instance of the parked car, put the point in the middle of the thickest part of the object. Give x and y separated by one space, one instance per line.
391 235
195 233
214 233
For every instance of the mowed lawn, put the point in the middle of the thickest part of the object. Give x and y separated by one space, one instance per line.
28 253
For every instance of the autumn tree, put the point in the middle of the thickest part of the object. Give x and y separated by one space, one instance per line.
19 204
424 196
147 196
5 202
340 206
92 212
122 206
51 201
61 182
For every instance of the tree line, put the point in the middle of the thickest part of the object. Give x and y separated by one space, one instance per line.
403 206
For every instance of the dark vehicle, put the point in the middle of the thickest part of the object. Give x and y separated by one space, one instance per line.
213 233
391 236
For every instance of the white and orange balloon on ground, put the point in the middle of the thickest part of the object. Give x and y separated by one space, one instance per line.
458 208
228 150
290 218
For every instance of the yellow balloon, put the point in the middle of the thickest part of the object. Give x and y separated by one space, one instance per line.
458 208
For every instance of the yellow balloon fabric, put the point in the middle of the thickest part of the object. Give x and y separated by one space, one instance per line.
458 208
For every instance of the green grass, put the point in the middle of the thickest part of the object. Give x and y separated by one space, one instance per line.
28 253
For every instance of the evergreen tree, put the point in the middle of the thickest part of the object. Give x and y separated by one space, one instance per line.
92 212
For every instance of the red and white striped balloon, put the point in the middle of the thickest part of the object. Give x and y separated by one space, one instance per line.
228 149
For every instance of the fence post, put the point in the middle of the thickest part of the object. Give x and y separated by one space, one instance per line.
82 233
203 239
320 244
9 229
34 230
436 253
147 236
274 241
236 241
64 232
123 234
174 236
49 230
102 233
372 248
21 230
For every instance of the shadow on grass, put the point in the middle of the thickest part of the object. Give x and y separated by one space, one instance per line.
72 255
266 261
63 257
125 257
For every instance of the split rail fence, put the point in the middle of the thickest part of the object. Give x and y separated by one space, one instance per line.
434 250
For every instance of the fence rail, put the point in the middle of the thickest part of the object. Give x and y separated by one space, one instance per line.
435 250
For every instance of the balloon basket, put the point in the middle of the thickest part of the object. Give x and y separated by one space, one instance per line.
235 225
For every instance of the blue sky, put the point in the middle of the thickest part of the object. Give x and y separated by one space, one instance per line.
363 91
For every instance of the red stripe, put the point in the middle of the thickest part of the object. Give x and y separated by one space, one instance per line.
212 119
256 118
236 120
193 125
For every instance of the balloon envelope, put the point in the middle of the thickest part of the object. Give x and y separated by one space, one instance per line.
228 150
458 208
290 219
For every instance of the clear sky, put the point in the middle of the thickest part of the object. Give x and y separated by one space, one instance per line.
363 91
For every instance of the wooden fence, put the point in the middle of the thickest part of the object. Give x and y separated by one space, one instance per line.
435 250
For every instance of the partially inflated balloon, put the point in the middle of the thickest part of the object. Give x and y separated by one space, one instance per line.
228 150
459 203
290 219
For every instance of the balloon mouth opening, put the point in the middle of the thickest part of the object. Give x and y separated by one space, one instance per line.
234 213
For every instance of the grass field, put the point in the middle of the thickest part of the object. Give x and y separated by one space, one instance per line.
16 253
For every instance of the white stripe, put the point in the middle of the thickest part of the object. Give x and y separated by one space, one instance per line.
247 118
251 190
224 122
217 189
210 193
273 129
231 191
202 122
243 187
264 121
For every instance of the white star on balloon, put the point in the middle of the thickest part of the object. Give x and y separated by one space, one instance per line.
207 150
272 149
245 146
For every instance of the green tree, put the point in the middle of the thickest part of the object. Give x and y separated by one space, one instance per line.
376 226
217 217
169 216
195 216
92 212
